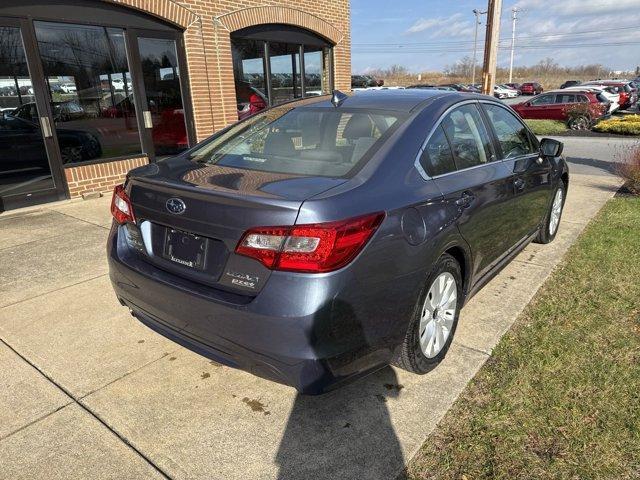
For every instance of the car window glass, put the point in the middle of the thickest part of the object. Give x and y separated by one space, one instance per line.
565 98
543 100
437 158
583 99
298 141
470 142
512 134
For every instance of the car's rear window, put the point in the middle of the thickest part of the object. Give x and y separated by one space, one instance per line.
302 141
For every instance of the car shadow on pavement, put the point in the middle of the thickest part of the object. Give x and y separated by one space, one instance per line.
346 433
609 167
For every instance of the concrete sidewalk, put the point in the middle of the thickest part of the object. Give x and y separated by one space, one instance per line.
88 392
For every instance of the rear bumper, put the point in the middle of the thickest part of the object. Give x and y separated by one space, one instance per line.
299 331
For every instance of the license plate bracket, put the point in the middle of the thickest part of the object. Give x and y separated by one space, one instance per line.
186 249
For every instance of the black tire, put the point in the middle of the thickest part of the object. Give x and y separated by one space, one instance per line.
410 356
544 235
579 123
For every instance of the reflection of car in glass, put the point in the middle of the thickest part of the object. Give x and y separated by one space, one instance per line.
250 100
23 146
319 241
123 108
68 88
118 84
170 134
62 111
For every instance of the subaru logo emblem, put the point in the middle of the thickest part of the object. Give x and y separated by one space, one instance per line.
176 206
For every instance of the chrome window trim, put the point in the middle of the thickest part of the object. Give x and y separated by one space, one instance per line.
417 163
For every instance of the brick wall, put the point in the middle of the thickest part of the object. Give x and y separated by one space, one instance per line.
101 177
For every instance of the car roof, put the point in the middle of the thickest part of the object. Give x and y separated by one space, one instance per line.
404 100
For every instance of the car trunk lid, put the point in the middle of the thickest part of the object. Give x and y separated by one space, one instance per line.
216 205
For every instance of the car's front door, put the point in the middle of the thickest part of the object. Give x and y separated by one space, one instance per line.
541 107
531 172
479 190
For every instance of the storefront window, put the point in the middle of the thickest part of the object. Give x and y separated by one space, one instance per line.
90 89
284 60
313 68
161 76
278 78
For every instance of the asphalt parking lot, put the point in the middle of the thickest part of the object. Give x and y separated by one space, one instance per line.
88 392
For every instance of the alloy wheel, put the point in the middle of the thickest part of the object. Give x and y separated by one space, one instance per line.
438 314
556 211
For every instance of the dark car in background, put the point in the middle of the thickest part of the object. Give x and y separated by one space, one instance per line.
570 83
365 81
461 88
320 240
579 108
531 88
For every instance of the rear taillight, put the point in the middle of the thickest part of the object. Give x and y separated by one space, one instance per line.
121 208
313 248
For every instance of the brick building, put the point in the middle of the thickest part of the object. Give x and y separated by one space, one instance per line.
92 88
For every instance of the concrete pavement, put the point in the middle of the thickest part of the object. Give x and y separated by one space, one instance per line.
88 392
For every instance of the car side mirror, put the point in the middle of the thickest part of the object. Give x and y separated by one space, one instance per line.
551 148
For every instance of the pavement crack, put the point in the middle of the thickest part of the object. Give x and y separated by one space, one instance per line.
39 419
83 406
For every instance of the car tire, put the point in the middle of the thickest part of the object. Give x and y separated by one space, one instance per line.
428 320
551 224
579 123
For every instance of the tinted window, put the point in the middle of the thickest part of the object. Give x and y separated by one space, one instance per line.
512 134
470 142
543 100
565 98
298 141
582 99
437 158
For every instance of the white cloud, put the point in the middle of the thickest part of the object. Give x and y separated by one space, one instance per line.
453 26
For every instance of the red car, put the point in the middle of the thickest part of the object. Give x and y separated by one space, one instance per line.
531 88
557 105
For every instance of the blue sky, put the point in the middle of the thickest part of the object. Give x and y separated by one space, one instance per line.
428 35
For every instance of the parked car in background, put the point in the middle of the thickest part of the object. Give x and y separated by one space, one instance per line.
531 88
580 109
500 91
515 86
318 241
68 87
364 81
460 87
426 86
62 111
609 93
628 98
570 83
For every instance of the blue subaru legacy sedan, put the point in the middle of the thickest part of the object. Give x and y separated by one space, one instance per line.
320 240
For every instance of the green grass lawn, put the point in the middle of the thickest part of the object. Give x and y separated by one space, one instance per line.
547 127
560 396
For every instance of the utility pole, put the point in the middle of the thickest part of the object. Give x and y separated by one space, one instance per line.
491 46
477 13
514 18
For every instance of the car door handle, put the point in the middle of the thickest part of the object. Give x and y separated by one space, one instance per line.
465 200
519 183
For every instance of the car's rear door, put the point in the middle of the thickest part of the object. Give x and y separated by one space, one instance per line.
477 188
531 173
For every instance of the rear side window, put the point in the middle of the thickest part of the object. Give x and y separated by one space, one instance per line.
512 134
601 98
437 158
565 98
299 141
467 134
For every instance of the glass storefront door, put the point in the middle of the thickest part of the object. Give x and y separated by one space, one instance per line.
26 175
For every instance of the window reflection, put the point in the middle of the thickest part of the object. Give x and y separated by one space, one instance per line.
24 165
284 60
313 70
90 85
161 76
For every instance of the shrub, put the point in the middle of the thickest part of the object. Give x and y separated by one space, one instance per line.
629 125
629 169
579 117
